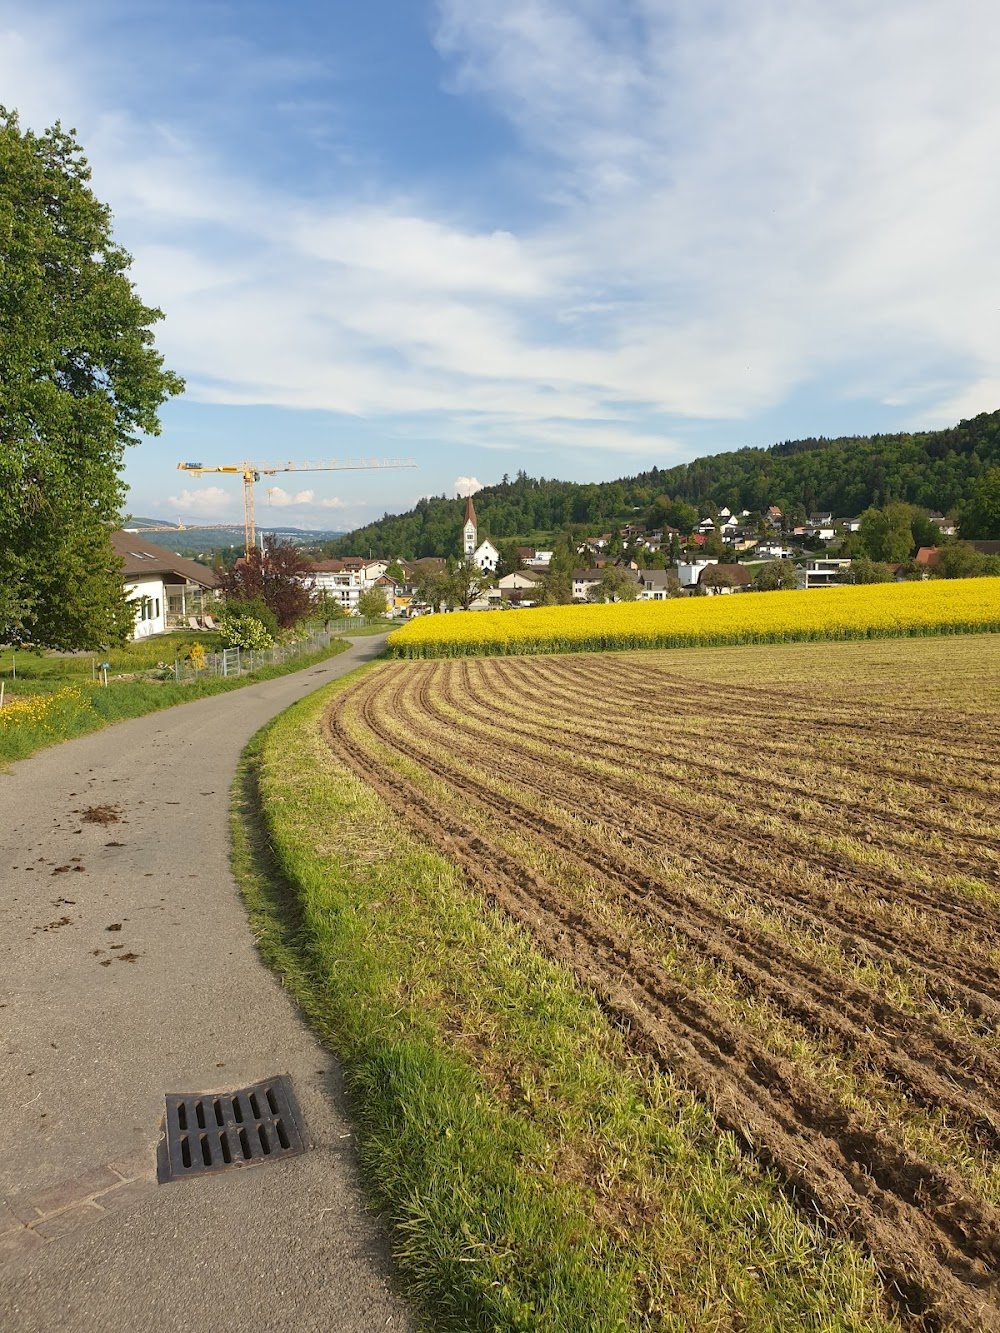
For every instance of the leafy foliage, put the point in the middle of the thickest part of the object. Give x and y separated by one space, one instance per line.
79 380
775 576
981 516
372 603
932 469
278 577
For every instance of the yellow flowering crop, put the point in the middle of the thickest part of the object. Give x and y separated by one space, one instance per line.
880 610
32 709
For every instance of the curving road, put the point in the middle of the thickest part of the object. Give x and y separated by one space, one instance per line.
127 970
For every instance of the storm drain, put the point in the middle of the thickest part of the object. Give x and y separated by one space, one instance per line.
219 1131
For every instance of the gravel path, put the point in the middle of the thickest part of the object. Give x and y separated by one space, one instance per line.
127 970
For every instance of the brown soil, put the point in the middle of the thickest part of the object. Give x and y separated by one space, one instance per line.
101 814
509 751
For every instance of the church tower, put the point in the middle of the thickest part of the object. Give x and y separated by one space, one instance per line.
469 531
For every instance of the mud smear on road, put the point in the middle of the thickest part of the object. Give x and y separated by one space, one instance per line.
101 814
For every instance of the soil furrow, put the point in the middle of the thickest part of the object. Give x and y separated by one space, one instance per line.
858 934
913 1217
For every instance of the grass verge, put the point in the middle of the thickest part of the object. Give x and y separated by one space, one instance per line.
76 709
534 1174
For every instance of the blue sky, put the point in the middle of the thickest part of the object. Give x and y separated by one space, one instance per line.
573 236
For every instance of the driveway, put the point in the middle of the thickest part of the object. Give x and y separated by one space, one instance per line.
127 970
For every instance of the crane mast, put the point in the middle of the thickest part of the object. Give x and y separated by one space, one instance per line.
252 472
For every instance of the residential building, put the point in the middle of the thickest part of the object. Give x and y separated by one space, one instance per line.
654 584
824 572
688 574
583 581
168 590
521 587
738 575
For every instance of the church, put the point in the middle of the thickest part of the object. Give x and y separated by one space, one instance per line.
484 553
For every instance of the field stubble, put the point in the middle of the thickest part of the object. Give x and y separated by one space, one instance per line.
782 886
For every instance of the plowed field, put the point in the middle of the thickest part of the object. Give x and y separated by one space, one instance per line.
779 869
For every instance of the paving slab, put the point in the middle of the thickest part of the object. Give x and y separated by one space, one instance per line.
127 971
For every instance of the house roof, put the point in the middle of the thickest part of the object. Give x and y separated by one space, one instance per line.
987 548
738 573
586 576
141 557
327 567
470 513
928 556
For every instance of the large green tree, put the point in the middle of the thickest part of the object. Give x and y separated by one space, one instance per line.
79 380
981 516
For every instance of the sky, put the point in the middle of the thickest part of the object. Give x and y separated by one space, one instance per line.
578 237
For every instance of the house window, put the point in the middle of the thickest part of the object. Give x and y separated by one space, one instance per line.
157 608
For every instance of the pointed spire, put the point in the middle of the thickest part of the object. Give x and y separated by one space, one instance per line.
470 512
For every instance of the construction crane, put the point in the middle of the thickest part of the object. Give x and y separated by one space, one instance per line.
251 472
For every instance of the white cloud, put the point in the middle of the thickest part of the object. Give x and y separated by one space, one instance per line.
465 486
276 495
212 501
724 203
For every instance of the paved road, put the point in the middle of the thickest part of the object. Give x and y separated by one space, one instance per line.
97 1023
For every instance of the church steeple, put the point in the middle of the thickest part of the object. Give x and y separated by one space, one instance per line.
469 542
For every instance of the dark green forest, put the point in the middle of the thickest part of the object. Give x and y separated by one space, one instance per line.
937 470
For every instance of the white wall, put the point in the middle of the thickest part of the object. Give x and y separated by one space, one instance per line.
150 598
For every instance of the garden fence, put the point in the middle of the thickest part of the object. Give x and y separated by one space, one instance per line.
241 661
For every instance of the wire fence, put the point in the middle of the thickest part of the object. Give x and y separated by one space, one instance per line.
241 661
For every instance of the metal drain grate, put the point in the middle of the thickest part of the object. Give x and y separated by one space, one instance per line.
218 1131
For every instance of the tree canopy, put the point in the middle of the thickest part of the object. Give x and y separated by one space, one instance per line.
938 470
79 380
279 576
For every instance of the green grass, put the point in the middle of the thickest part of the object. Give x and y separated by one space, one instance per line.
534 1174
38 671
74 707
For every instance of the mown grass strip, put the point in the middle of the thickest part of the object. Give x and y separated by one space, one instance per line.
76 710
534 1174
878 611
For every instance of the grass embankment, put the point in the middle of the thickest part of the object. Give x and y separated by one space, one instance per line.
66 710
26 671
885 610
534 1173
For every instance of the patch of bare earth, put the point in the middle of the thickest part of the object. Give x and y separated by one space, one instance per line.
745 873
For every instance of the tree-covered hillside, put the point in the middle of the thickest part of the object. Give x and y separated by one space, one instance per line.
933 469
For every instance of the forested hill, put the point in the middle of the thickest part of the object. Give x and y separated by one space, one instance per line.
934 469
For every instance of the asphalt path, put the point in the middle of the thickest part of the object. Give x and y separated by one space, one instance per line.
127 971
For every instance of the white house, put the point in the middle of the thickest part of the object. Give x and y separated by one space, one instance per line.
339 582
168 590
823 572
521 587
538 560
653 585
583 581
688 575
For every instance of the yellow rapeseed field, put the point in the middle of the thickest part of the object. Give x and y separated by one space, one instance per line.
882 610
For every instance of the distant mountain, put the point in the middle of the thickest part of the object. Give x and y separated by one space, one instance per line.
937 470
187 540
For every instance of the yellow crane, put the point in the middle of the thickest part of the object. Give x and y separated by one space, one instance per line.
251 472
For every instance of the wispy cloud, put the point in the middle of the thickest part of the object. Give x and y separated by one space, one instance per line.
717 206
